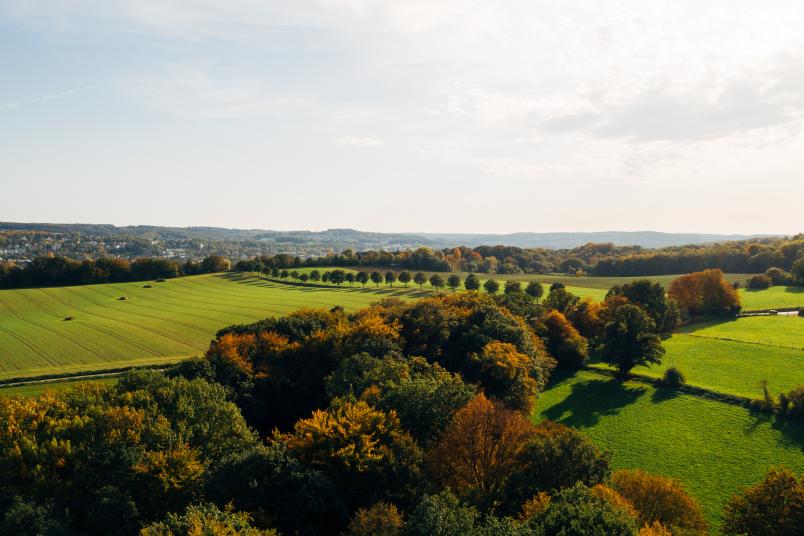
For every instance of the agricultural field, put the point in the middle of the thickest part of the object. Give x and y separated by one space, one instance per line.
161 324
735 356
696 440
32 390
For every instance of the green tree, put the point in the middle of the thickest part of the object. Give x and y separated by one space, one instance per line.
304 278
453 282
275 272
491 286
362 278
284 274
294 274
420 279
390 278
205 520
577 511
376 278
350 278
315 276
472 282
630 339
337 277
512 287
404 278
535 289
437 282
797 271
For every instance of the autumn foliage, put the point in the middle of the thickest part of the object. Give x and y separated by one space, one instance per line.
705 293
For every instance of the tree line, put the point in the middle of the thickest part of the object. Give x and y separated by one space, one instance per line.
60 271
747 256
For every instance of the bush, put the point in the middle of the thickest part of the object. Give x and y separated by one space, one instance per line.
759 282
673 378
382 519
777 276
796 402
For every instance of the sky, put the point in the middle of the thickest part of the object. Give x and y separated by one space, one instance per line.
409 115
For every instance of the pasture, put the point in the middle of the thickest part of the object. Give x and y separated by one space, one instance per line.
696 440
772 298
730 357
161 324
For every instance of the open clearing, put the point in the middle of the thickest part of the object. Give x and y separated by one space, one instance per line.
772 298
698 441
737 362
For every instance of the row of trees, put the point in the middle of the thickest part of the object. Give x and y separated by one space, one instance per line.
59 271
748 256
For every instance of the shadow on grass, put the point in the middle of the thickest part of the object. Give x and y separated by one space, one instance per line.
590 400
662 394
792 431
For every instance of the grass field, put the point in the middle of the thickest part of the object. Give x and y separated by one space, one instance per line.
774 297
165 323
36 389
699 441
736 362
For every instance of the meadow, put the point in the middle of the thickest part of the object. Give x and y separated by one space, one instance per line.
728 356
164 323
698 441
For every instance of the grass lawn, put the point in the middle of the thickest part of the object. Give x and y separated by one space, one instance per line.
774 297
714 448
770 330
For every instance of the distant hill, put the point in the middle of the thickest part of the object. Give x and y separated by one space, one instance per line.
338 239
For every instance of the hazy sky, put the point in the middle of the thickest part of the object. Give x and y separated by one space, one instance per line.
472 116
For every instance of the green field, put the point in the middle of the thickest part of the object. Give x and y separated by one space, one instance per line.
772 298
728 357
714 448
36 389
162 324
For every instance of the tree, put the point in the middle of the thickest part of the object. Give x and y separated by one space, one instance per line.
560 299
630 339
564 342
513 287
215 263
304 278
659 498
777 276
390 278
705 293
652 298
376 278
556 457
453 282
350 278
420 279
381 519
315 276
275 272
362 278
284 274
577 511
404 278
294 274
773 507
205 520
759 282
325 277
535 289
337 277
479 450
472 282
437 282
797 271
491 286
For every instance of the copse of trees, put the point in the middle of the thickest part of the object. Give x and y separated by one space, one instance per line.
61 271
705 293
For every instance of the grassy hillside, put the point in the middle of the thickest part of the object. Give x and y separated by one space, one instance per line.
774 297
160 324
699 441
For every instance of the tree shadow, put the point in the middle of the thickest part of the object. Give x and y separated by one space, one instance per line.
662 394
792 431
591 400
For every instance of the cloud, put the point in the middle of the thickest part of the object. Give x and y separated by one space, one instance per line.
359 142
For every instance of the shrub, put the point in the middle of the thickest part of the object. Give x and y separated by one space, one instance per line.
777 276
577 511
759 282
796 401
673 378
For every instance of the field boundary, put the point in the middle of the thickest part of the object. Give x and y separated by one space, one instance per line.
72 376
